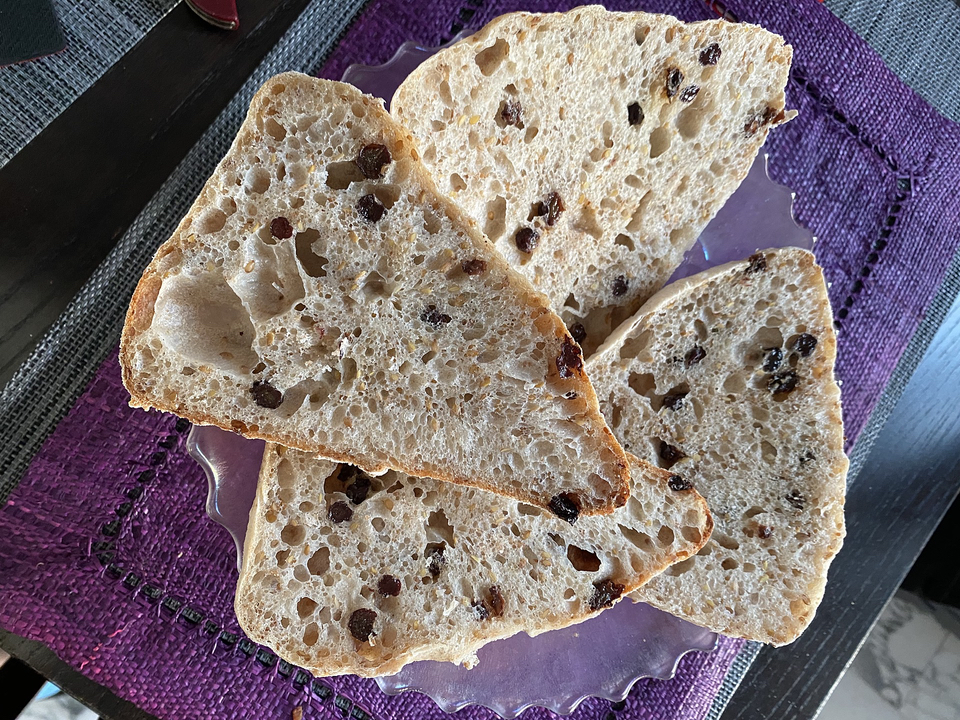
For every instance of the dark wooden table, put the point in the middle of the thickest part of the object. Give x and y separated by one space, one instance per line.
110 151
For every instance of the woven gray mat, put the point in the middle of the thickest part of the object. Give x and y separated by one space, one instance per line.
98 33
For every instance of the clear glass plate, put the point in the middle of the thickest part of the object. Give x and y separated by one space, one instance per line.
604 656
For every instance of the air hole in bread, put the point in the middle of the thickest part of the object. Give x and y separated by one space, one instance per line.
639 539
293 534
457 183
491 57
587 222
275 129
640 34
634 346
582 560
388 194
644 384
211 220
639 216
495 223
525 509
341 174
531 132
305 607
311 634
431 221
725 541
625 241
691 534
691 119
660 140
681 567
438 528
666 536
768 451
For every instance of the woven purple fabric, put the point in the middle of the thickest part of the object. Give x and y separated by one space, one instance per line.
106 554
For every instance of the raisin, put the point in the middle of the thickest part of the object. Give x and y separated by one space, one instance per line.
773 359
474 266
370 208
689 93
784 382
565 506
512 113
620 285
371 160
805 344
678 483
694 356
555 208
281 228
670 453
527 240
758 263
389 586
480 611
605 592
634 114
433 316
570 359
674 79
358 490
759 119
434 557
674 401
361 624
764 531
340 512
495 600
266 395
579 333
796 499
710 54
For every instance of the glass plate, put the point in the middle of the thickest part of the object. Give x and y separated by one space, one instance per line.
604 656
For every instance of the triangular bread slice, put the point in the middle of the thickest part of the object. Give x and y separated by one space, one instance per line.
638 126
727 379
322 294
344 573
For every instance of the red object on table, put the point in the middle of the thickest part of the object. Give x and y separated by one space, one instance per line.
221 13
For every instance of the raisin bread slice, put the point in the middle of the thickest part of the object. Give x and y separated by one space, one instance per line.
322 294
727 379
593 147
344 573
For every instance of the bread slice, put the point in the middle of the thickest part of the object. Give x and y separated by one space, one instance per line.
638 125
322 294
344 573
727 379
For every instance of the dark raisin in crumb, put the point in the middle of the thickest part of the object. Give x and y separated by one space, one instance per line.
694 356
758 262
266 395
565 506
678 483
634 114
281 228
805 344
527 240
674 401
773 359
795 498
495 600
389 586
674 79
570 359
555 208
340 512
689 93
433 316
670 453
358 490
784 382
764 531
474 266
361 624
370 208
579 333
538 209
605 592
710 54
512 113
435 559
371 160
480 611
620 285
761 118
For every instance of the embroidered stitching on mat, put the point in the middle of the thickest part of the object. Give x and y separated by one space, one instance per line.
174 609
464 16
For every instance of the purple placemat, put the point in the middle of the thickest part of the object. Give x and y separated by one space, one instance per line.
106 553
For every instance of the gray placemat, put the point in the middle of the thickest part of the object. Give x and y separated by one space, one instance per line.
917 39
98 33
